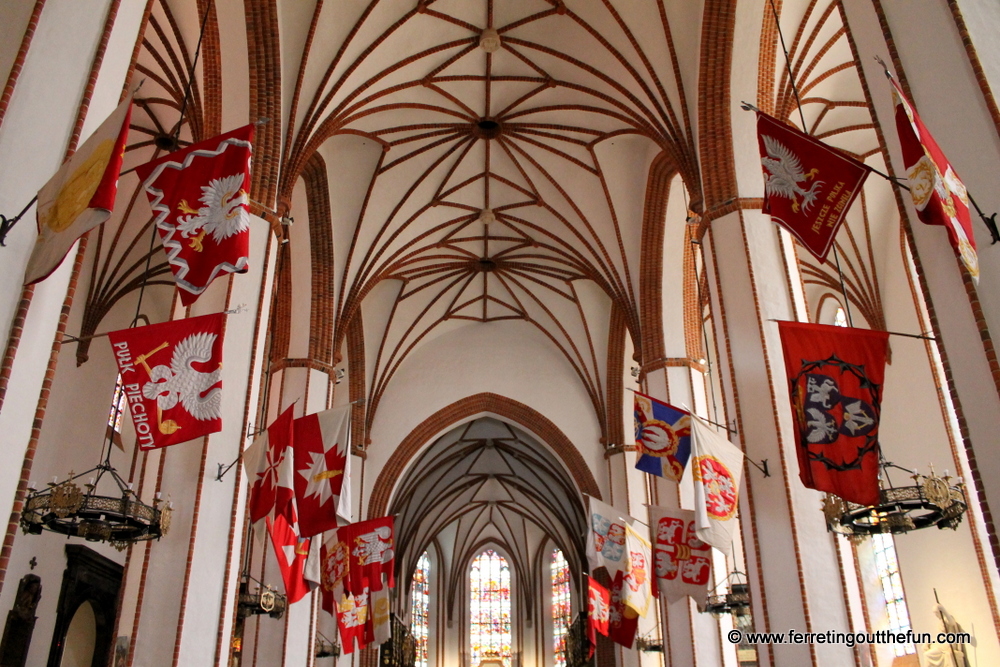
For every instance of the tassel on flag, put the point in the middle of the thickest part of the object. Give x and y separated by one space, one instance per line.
637 583
663 437
808 186
717 465
263 461
172 377
606 538
81 195
938 193
321 455
598 612
683 562
835 377
201 206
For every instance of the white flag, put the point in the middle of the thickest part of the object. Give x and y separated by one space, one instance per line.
718 468
606 537
636 585
381 627
683 562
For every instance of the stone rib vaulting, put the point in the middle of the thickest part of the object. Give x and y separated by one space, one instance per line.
485 224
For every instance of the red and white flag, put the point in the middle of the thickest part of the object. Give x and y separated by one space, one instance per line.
298 563
201 206
718 469
598 611
371 547
622 621
334 561
683 562
835 376
263 461
808 186
321 458
172 375
637 586
81 195
353 620
938 193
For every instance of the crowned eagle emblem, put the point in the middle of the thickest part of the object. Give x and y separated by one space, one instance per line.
786 174
182 383
224 213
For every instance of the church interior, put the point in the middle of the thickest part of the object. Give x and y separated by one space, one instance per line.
483 228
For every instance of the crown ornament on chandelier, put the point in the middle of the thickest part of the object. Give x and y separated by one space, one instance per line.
120 520
931 500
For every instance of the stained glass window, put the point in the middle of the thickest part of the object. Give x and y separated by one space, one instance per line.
561 613
117 406
892 587
489 608
420 608
840 318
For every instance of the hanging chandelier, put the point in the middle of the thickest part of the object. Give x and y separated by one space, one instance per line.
736 602
120 520
931 500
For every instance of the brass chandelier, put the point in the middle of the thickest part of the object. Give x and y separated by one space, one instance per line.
931 500
120 520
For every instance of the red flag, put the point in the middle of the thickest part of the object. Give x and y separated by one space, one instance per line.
622 622
354 622
199 196
683 562
263 461
321 450
808 186
835 377
938 193
291 552
81 195
172 374
598 611
371 554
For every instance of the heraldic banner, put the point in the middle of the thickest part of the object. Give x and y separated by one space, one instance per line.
265 461
663 436
637 586
321 453
623 622
717 467
370 549
606 538
835 377
598 611
683 562
938 193
172 375
201 206
808 186
81 195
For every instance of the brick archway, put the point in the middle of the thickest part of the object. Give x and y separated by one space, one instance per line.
459 411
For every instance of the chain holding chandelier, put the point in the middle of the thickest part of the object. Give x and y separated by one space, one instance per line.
120 520
931 500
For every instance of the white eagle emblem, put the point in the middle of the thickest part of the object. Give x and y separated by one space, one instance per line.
224 213
182 382
374 547
785 175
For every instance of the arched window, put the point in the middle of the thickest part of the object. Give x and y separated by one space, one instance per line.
420 608
561 614
489 608
117 406
840 318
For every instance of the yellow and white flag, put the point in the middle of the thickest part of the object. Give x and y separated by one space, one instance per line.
718 469
81 195
637 584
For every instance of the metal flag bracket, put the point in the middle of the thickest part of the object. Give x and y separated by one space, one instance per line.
762 466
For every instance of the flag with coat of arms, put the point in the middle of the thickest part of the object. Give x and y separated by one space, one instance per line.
606 537
598 611
683 562
717 467
264 461
637 582
938 193
370 546
172 377
663 437
201 208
